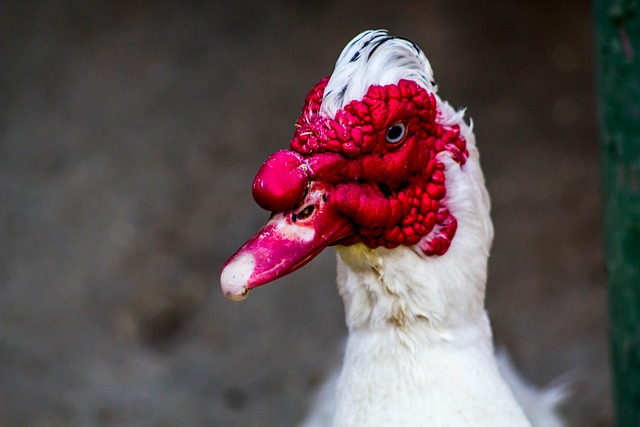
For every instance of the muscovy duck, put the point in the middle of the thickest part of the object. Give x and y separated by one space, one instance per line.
387 172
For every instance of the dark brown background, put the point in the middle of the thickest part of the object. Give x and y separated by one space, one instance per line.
129 136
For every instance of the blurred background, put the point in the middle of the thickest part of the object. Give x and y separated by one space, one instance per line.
130 133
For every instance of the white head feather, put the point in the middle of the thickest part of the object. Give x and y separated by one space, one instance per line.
376 58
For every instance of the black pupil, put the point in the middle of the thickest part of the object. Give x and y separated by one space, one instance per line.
394 132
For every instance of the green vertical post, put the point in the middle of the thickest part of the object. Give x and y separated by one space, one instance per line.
618 63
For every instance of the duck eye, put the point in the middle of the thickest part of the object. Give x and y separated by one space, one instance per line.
396 132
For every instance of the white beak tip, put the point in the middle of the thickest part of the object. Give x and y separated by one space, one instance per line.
235 276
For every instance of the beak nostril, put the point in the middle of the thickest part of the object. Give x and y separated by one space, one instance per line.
306 212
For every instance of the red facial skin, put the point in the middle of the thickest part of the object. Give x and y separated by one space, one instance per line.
363 186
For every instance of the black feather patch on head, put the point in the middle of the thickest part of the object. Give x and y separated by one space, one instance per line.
343 91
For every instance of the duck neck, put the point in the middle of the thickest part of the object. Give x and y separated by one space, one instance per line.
400 291
419 350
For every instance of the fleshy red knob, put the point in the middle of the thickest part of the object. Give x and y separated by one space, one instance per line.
281 181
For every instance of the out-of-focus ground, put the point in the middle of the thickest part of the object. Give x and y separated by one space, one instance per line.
129 137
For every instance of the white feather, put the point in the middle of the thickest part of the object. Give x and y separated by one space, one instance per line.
540 405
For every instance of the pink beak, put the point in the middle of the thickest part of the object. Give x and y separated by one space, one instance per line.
288 241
